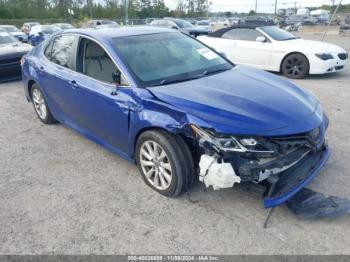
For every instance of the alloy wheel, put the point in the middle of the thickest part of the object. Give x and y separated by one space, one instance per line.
39 104
155 165
294 67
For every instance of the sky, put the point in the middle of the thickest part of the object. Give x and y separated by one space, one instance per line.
264 6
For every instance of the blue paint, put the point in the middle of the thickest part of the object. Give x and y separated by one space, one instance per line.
242 101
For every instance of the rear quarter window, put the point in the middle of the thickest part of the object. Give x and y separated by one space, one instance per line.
63 51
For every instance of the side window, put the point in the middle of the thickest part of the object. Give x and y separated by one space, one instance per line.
63 51
244 34
96 63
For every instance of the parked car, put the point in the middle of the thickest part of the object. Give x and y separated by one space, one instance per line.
97 24
148 21
11 29
300 19
221 22
39 33
204 24
63 26
183 112
11 52
274 49
181 25
28 26
258 20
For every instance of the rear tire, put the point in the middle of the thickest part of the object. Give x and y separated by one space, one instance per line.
40 106
295 66
165 162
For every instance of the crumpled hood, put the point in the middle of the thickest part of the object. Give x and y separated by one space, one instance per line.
10 50
244 101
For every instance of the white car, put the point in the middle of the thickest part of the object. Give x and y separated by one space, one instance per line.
273 49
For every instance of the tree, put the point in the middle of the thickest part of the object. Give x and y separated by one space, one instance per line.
252 12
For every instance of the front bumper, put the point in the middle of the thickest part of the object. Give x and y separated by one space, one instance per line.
291 181
318 66
277 176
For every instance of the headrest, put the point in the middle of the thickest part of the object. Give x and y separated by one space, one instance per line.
94 50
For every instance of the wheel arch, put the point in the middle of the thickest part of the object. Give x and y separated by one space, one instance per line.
29 88
293 53
160 129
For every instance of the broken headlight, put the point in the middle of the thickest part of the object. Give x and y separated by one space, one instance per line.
230 143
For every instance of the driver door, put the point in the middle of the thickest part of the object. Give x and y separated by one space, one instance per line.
101 114
246 50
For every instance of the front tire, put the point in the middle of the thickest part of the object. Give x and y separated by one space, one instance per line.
165 162
40 106
295 66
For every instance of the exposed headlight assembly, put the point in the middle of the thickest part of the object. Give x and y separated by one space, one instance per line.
325 56
230 143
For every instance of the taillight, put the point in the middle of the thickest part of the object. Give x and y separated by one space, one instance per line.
22 61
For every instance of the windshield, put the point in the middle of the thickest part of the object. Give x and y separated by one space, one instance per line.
6 38
157 59
203 23
183 24
277 33
9 29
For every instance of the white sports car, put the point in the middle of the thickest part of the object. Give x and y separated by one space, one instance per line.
273 49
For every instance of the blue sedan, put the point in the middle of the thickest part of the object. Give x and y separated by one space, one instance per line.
179 110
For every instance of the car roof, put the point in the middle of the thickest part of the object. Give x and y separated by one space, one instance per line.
221 31
108 33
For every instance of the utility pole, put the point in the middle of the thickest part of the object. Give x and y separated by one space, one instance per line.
89 6
330 20
126 6
256 6
275 7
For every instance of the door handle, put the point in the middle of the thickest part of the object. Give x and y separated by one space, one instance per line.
74 84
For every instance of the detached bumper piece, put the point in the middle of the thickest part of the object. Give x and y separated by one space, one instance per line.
307 204
286 184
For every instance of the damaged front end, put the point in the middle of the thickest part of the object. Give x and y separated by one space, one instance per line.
276 167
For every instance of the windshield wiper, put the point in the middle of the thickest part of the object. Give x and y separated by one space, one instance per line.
291 38
168 81
212 72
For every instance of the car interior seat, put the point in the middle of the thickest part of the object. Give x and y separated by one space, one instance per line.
97 64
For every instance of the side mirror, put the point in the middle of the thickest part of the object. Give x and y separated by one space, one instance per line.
260 39
117 81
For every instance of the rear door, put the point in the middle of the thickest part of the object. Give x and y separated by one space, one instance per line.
56 74
243 47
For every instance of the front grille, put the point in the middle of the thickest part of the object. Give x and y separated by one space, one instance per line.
339 67
343 56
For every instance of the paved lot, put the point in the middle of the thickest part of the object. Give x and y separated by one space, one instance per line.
61 193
